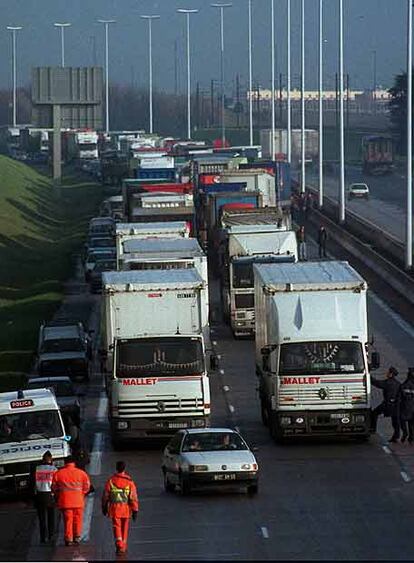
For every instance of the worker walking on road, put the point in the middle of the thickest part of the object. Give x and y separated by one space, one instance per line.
407 407
390 405
120 502
70 486
44 501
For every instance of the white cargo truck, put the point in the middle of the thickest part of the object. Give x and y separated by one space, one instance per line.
30 425
311 349
132 231
281 141
256 180
156 334
248 245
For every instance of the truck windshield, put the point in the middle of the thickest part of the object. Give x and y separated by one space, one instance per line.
159 356
243 274
22 426
328 357
52 346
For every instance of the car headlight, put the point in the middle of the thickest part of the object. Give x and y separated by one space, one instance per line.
2 470
196 468
249 466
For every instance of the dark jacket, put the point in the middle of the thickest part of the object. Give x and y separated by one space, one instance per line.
300 236
391 388
322 236
407 399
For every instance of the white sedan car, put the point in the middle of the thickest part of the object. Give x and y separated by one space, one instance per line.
358 190
208 457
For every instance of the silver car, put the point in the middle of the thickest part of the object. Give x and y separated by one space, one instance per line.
209 457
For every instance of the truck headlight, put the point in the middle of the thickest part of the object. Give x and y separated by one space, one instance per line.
122 425
285 421
299 420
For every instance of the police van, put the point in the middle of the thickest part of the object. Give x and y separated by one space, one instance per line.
30 424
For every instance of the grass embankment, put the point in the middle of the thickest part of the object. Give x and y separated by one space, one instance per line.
40 229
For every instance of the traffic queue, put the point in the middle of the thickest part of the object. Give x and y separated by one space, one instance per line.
180 223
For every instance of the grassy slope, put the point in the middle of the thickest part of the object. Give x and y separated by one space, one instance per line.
40 228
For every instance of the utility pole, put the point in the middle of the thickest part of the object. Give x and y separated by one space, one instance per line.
212 102
238 100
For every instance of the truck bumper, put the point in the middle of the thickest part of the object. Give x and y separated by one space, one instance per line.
124 429
242 327
323 423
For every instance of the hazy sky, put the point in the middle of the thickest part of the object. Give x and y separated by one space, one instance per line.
369 25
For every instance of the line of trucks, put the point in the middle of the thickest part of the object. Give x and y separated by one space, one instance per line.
225 217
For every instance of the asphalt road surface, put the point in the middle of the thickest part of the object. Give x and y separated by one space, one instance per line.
387 202
323 501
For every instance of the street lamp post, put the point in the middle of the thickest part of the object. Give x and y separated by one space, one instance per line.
187 13
250 76
302 83
62 39
320 104
106 24
14 29
272 35
149 19
288 85
409 217
341 116
374 82
221 7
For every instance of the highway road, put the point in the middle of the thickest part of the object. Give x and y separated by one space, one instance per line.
386 206
316 500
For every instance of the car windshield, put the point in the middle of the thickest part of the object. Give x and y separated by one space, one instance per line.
22 426
52 346
312 358
60 388
213 442
159 356
359 187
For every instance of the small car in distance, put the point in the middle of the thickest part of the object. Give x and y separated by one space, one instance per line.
358 190
206 458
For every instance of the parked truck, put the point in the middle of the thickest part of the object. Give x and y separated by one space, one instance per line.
156 341
377 155
311 145
311 349
244 246
256 180
133 231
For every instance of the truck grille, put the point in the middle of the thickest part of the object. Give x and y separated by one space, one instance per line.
322 394
161 407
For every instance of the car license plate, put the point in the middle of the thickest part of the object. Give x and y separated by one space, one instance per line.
225 477
177 425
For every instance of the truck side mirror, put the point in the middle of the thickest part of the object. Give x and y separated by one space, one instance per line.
375 360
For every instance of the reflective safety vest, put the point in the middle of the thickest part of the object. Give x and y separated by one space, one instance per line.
70 485
44 477
120 497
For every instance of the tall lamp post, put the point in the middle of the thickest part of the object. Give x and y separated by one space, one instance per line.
149 20
409 218
14 29
288 86
106 24
188 13
302 97
221 7
341 116
320 104
250 76
272 40
62 39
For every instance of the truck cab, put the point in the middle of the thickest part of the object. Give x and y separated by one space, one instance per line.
30 425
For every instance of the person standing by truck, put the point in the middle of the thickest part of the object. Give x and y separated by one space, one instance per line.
390 405
407 407
44 501
322 238
301 239
70 486
120 502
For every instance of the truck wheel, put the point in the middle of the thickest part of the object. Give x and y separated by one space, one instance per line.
185 487
275 431
264 412
168 487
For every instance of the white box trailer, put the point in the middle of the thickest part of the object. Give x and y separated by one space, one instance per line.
311 349
156 162
257 180
133 231
311 144
248 245
156 334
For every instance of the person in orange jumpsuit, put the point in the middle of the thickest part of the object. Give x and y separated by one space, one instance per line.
120 502
70 485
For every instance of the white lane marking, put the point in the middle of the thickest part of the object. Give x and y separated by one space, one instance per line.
386 449
226 388
222 372
96 455
102 407
87 518
231 409
405 476
407 328
265 532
